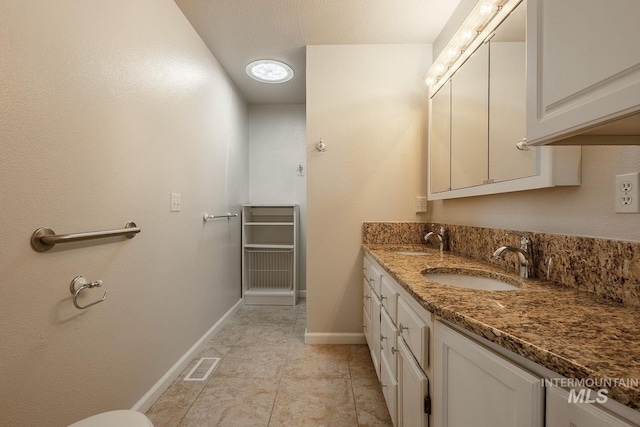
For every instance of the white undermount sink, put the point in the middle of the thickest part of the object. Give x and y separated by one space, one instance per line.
470 282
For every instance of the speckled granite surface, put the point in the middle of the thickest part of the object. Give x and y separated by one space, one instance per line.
607 268
573 333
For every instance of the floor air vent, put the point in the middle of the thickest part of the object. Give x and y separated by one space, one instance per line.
203 369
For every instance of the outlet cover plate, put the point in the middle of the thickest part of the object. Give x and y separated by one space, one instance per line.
627 198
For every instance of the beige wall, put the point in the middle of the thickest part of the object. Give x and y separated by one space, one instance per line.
586 210
106 108
368 104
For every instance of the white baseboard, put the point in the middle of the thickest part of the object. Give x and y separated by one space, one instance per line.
333 338
167 379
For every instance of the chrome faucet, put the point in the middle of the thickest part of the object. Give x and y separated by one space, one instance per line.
524 253
441 236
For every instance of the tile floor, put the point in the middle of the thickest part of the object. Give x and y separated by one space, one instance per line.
267 376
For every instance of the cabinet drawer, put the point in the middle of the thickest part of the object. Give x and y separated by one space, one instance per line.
388 297
366 296
388 341
415 333
389 389
374 275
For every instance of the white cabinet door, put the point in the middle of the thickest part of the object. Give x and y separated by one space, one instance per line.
374 344
561 413
475 387
366 325
388 340
583 64
413 393
389 388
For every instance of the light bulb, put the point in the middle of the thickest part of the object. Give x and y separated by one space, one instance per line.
430 81
439 68
467 35
452 52
486 9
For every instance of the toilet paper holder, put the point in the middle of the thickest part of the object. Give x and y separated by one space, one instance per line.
79 284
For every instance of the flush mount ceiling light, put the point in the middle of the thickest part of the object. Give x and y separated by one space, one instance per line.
269 71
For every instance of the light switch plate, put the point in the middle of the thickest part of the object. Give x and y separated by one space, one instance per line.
175 202
421 204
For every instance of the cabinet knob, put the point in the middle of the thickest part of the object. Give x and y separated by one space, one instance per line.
382 337
394 350
367 297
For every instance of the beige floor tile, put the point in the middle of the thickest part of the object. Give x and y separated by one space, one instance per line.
253 362
233 402
314 402
264 335
371 407
227 335
174 403
212 349
317 361
360 363
265 315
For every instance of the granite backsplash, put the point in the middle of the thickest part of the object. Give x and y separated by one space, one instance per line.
608 268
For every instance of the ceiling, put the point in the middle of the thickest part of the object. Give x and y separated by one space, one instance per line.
241 31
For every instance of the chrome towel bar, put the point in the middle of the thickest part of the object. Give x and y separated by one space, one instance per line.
45 238
206 217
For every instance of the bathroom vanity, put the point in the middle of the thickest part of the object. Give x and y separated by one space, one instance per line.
451 356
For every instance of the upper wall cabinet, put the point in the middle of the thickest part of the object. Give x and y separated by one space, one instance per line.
478 115
583 70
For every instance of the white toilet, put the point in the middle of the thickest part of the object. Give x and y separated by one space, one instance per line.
120 418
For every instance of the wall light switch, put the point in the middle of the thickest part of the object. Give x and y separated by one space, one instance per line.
421 204
175 202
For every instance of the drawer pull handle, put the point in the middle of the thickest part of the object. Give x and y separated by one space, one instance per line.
382 337
394 350
382 297
367 297
401 327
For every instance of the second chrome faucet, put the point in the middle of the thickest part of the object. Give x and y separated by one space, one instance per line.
524 253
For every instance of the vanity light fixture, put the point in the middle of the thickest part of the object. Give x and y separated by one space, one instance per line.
481 22
269 71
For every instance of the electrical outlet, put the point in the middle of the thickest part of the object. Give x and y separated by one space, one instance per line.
628 193
175 202
421 204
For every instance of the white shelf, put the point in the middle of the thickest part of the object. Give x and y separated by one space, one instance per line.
268 223
268 246
269 256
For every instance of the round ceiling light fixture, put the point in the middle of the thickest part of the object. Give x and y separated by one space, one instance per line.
269 71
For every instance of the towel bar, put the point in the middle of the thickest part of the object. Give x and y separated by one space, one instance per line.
45 238
206 217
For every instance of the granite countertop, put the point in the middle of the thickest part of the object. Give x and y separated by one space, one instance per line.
570 332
